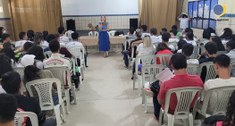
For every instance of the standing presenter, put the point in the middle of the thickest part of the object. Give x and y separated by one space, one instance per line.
104 42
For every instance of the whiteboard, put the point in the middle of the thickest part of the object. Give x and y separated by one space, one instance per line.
99 7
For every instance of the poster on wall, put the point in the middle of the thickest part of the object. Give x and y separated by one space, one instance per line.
202 12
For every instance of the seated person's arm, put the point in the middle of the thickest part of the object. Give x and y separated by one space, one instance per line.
136 43
162 94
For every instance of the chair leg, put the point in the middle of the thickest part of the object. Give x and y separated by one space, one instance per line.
191 120
74 94
67 96
57 115
170 120
160 118
134 79
146 103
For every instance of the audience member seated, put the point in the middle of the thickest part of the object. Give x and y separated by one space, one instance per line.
227 35
64 51
11 82
206 35
190 38
174 28
162 48
181 79
8 48
133 45
229 118
231 49
187 50
144 29
8 109
180 45
56 58
165 39
75 42
44 42
26 48
36 49
211 50
164 30
222 68
63 38
131 34
30 34
154 37
23 39
218 42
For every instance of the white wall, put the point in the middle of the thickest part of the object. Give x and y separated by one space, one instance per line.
118 12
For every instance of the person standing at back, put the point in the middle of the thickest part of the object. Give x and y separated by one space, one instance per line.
184 21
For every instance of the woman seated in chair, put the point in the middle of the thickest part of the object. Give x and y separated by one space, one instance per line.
11 82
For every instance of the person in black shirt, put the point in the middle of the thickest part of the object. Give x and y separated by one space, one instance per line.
11 83
211 50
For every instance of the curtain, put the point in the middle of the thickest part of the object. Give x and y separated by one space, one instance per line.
37 15
158 13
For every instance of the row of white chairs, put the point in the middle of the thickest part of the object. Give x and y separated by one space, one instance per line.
95 33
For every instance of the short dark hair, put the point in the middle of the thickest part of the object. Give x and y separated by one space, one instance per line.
5 36
181 43
75 35
54 46
174 31
179 61
174 27
30 34
166 36
27 45
187 49
38 37
153 31
45 34
21 35
50 37
144 27
211 48
11 82
132 30
190 35
222 60
5 62
8 105
188 30
61 30
231 44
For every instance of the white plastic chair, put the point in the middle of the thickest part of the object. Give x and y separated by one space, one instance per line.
220 107
78 53
112 33
90 33
146 60
196 51
185 97
20 70
63 74
47 54
44 90
164 59
19 118
210 70
148 75
193 69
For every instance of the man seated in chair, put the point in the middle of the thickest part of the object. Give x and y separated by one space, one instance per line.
75 42
187 50
222 69
8 107
11 82
181 79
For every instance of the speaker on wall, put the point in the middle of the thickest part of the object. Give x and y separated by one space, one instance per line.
134 23
71 25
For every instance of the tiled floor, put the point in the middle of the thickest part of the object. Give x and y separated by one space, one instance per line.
106 98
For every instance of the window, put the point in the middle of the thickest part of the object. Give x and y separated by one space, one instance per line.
202 13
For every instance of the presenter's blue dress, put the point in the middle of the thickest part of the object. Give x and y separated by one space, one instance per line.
104 42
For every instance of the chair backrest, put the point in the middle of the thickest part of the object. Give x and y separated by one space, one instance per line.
210 70
19 118
20 70
196 51
193 69
96 33
185 97
221 52
174 43
62 73
111 33
164 59
47 54
77 52
44 90
90 33
223 94
150 72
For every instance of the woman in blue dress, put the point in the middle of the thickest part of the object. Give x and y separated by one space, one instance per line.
104 43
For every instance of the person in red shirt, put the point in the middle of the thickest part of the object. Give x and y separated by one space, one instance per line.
181 79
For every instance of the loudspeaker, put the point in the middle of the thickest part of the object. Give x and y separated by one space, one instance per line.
134 23
71 25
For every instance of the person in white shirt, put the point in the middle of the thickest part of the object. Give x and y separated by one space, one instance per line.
154 38
187 50
23 39
190 38
145 48
184 21
165 39
231 47
63 38
222 68
144 29
56 58
29 59
75 42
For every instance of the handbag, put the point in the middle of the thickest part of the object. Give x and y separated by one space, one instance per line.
155 87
